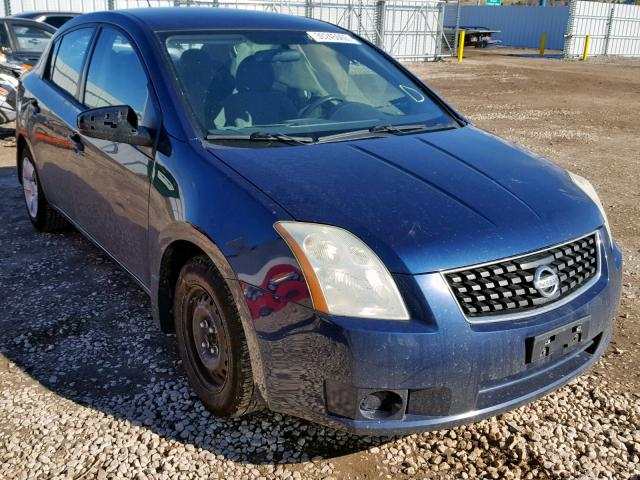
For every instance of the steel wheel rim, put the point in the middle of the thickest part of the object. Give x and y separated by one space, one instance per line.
30 187
207 338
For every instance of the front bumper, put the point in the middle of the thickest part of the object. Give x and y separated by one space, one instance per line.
442 370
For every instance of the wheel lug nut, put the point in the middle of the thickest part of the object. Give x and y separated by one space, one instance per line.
210 330
204 344
202 325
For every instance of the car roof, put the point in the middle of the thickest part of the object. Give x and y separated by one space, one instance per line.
28 21
207 18
45 13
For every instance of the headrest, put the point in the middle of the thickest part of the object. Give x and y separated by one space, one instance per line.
193 59
255 74
219 52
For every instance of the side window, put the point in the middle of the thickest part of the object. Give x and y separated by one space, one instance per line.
53 53
67 63
30 38
116 76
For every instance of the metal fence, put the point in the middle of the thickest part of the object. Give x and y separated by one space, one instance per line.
406 29
613 29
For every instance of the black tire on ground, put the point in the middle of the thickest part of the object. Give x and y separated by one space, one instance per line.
211 341
43 217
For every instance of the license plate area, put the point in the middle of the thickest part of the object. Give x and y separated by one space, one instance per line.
557 342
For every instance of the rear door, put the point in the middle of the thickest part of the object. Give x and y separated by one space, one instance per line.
112 193
54 138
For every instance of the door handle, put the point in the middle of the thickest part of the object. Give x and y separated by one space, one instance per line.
76 141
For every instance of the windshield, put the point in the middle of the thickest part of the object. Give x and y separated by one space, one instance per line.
294 83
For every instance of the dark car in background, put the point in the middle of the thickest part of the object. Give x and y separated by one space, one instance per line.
55 19
21 44
323 233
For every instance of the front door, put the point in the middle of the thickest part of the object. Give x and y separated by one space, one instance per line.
112 196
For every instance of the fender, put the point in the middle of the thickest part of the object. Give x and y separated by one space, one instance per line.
21 137
189 233
22 128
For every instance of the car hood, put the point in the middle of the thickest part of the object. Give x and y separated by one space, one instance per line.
425 202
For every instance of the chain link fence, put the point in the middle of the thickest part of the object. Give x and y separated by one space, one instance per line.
410 30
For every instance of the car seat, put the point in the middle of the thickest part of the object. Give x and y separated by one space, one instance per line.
206 83
256 102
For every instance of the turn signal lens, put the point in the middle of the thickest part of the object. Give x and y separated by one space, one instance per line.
345 277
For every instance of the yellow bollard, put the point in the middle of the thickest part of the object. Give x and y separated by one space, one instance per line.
586 47
461 45
543 43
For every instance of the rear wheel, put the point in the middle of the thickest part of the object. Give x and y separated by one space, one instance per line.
43 217
211 341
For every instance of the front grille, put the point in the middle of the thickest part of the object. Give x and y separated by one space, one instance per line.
508 286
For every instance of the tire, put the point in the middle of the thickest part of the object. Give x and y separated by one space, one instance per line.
211 341
43 217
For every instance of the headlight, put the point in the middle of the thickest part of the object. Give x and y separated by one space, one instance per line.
586 187
344 276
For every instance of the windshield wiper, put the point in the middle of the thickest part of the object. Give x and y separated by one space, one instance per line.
351 135
280 137
415 128
397 129
376 130
263 137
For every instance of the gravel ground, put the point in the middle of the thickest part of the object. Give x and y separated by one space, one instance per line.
90 389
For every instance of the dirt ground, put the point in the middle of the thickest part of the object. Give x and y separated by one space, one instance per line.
581 115
584 117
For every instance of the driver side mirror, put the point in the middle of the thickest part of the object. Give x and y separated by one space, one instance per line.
117 124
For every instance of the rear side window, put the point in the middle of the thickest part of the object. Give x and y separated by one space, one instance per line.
116 76
67 64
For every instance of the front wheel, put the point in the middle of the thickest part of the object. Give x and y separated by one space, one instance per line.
211 341
43 217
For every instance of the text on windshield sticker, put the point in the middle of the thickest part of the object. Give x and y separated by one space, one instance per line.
331 37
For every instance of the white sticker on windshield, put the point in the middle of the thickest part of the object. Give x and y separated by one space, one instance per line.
331 37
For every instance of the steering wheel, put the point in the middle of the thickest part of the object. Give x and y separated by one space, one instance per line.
320 102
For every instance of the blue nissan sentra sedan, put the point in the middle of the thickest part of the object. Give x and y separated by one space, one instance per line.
324 234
